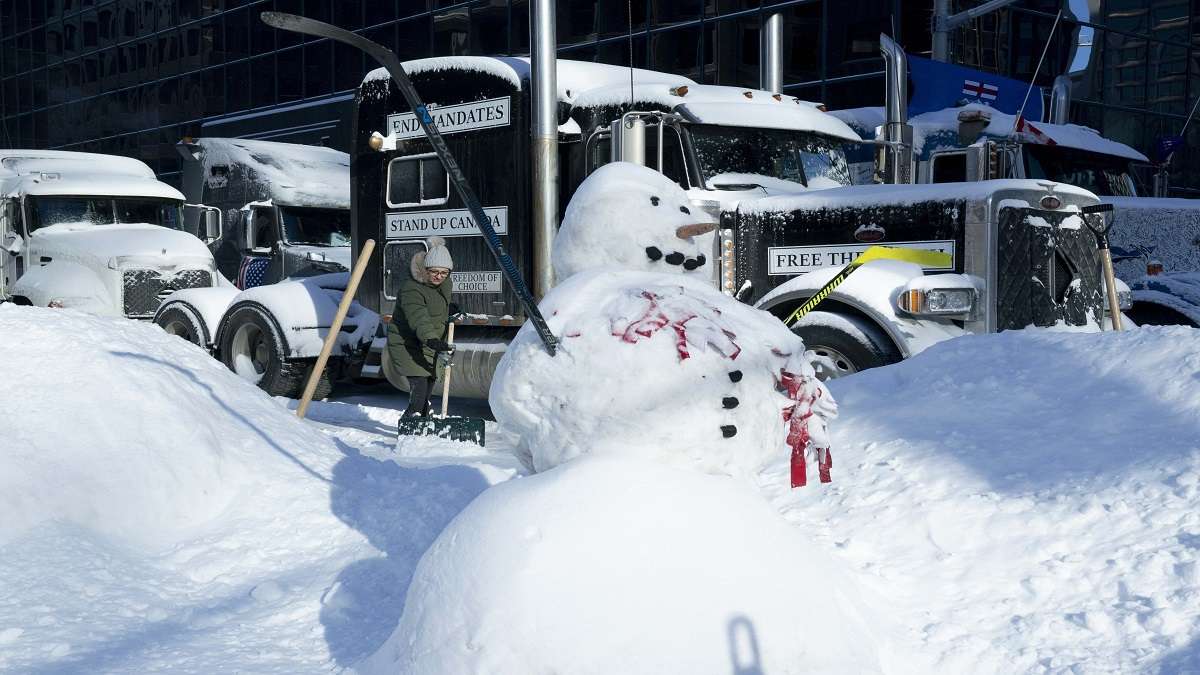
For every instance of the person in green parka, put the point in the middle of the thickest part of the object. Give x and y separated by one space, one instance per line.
417 332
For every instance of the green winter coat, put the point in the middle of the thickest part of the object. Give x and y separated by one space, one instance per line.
420 315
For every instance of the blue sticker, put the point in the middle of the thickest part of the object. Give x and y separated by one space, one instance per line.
423 113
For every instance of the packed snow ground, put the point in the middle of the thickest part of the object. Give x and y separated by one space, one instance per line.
1024 502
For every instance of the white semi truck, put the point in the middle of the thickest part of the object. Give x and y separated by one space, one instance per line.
95 232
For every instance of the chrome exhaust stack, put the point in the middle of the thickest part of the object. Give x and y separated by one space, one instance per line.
897 167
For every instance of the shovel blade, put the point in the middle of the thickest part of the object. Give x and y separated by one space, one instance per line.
464 429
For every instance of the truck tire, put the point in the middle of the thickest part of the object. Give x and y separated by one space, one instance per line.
844 344
182 320
252 347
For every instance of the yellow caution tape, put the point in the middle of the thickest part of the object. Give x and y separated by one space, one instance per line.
916 256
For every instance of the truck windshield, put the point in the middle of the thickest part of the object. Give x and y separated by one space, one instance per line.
1105 175
316 227
738 154
45 211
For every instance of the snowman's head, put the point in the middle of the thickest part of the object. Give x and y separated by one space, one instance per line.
626 216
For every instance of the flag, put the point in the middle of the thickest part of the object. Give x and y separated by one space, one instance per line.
252 272
934 85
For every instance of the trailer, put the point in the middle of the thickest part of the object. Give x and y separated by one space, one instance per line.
98 233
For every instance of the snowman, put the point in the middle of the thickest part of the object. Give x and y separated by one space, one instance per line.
630 549
654 360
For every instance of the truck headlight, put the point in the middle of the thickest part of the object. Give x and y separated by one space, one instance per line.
950 301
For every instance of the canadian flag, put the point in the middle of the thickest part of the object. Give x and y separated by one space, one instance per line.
981 90
1039 136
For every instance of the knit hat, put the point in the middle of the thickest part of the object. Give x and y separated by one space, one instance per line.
438 255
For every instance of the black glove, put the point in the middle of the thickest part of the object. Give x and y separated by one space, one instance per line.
438 345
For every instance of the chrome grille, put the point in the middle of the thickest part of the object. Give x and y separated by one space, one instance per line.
145 290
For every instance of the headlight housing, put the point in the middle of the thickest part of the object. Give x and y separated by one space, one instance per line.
943 295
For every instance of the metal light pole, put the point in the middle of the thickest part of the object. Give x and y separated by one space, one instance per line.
543 58
944 22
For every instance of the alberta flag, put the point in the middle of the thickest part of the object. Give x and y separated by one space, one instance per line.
933 85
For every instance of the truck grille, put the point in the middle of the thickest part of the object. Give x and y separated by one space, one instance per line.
145 289
1047 273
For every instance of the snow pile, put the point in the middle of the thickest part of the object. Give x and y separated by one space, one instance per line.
619 565
129 433
665 367
162 515
626 216
1024 502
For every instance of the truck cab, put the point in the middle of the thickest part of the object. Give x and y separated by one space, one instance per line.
93 232
285 207
723 145
1154 240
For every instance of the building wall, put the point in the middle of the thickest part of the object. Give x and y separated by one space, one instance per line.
132 77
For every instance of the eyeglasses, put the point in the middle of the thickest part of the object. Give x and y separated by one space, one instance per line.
438 273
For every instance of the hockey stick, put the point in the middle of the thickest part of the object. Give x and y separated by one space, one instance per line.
385 56
918 256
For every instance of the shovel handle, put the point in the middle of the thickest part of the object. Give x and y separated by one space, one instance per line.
1110 284
446 373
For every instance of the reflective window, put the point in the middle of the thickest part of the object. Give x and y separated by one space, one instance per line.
419 180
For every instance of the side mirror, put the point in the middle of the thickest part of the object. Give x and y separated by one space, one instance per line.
212 225
629 140
12 242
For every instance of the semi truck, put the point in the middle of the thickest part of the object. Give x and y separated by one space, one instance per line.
1156 241
286 216
770 166
98 233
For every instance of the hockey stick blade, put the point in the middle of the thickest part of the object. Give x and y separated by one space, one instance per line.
390 62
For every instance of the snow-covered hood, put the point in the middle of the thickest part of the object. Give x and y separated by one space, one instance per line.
132 242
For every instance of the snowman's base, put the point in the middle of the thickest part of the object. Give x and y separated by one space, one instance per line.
464 429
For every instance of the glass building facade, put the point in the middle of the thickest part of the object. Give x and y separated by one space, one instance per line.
132 77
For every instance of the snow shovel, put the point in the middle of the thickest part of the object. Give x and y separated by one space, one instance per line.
1110 280
465 429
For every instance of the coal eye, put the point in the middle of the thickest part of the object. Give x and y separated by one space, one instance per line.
653 253
728 431
691 264
684 209
654 201
675 258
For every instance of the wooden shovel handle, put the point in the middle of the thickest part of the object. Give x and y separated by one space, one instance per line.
446 373
348 297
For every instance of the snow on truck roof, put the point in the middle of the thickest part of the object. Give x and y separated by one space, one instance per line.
858 196
939 129
60 172
588 84
293 174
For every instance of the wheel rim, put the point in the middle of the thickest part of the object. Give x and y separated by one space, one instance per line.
180 328
250 351
831 364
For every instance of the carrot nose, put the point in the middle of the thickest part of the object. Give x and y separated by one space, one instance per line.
689 231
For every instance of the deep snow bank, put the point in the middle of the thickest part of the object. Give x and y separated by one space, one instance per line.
127 432
619 564
1024 502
